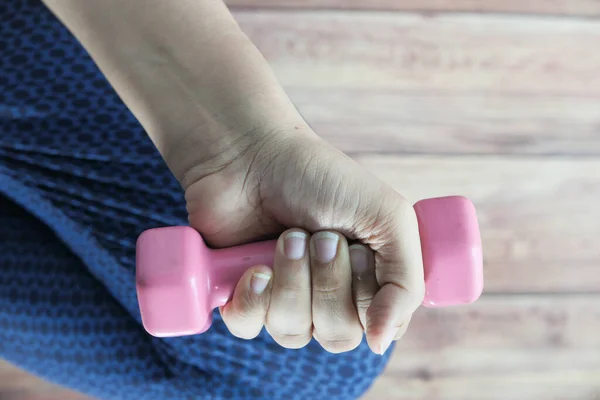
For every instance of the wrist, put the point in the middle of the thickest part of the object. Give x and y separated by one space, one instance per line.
192 78
237 139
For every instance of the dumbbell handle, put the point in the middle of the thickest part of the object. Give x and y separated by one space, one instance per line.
180 280
231 263
453 269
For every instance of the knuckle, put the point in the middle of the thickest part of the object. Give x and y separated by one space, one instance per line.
340 339
363 302
291 289
244 314
249 309
341 344
331 291
291 334
292 340
242 333
289 317
242 326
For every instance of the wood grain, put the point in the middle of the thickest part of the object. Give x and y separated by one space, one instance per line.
507 347
419 122
388 52
586 8
538 217
450 84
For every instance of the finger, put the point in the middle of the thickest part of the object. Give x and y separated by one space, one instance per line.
335 320
399 272
364 282
289 318
245 314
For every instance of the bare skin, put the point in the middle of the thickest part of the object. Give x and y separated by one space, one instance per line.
252 168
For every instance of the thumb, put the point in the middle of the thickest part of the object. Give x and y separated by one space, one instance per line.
245 314
399 272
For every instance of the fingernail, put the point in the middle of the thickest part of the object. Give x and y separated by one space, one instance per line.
326 246
386 342
294 245
359 258
259 282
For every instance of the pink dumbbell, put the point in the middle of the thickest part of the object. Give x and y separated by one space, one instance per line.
180 280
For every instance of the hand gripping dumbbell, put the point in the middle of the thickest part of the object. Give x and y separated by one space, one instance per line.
180 280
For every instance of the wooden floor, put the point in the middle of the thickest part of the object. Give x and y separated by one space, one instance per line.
498 100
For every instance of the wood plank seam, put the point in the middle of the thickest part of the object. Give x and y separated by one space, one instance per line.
424 12
559 8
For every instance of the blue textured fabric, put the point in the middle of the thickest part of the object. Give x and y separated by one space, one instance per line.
79 181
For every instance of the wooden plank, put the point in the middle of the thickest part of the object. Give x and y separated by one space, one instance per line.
538 217
504 348
359 121
556 7
452 84
382 51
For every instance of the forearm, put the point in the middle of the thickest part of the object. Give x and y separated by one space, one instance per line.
184 68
